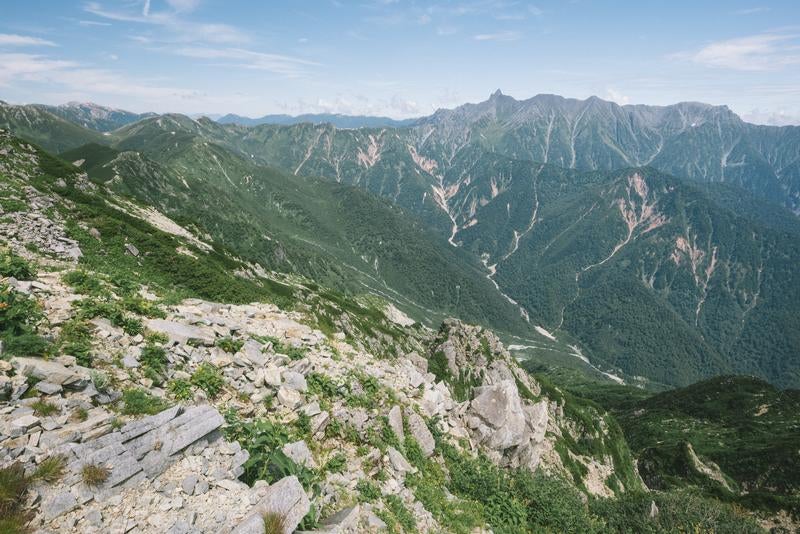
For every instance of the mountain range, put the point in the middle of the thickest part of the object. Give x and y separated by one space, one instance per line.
655 242
335 119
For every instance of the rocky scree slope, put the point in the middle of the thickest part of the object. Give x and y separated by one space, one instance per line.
128 407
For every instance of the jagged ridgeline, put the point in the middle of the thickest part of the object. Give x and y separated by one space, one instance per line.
666 279
154 379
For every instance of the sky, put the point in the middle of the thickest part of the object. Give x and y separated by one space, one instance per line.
399 58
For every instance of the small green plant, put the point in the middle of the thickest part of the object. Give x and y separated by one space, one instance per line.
81 415
13 488
154 362
368 491
140 402
296 353
116 423
94 474
181 389
230 345
51 469
100 381
273 523
336 463
75 339
83 282
401 513
15 267
209 379
42 408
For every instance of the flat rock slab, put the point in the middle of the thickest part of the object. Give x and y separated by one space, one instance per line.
286 498
183 333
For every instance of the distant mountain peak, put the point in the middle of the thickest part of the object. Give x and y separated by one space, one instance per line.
498 93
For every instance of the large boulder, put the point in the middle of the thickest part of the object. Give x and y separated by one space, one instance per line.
499 408
52 372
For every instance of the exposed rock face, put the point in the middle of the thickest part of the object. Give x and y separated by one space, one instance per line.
502 422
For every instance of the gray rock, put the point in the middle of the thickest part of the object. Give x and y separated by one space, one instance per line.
188 484
294 380
419 431
52 372
300 454
345 520
398 461
252 351
132 250
500 407
59 503
396 422
183 333
289 398
47 388
286 498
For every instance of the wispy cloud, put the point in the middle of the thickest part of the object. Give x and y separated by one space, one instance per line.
766 51
288 66
176 28
93 23
70 75
751 10
10 39
508 35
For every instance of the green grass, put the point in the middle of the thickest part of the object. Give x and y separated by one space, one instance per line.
141 402
94 474
209 379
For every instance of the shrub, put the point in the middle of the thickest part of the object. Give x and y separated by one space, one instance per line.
19 313
83 282
26 344
368 491
94 474
154 362
140 402
15 267
209 379
181 389
75 339
336 463
13 488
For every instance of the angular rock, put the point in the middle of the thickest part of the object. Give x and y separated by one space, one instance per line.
396 422
51 371
300 454
286 498
183 333
289 398
500 407
419 431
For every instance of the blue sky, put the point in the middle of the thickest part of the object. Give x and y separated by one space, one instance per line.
399 58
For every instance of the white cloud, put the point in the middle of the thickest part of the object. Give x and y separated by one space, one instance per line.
444 31
10 39
767 51
499 36
772 118
616 96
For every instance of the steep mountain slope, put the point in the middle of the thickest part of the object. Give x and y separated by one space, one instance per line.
733 437
656 279
337 235
94 116
37 124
